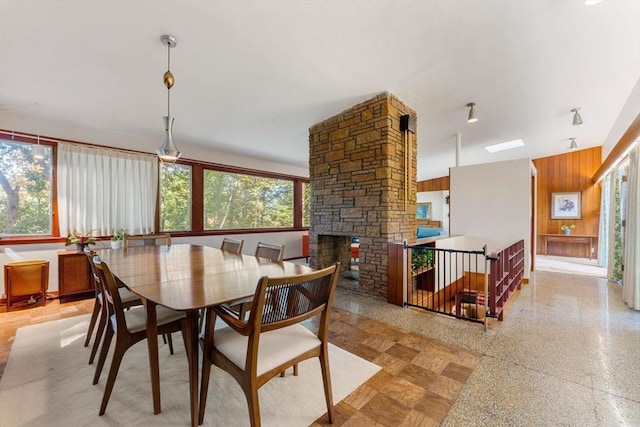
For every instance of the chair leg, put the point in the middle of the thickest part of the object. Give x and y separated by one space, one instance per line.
254 406
209 320
204 387
97 308
113 373
108 335
326 380
295 371
170 341
99 332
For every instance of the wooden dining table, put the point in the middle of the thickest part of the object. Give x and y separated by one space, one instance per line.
188 278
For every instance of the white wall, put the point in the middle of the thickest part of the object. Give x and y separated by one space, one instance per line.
492 204
626 117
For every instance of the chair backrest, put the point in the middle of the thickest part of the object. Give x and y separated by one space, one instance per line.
269 251
284 301
111 296
23 278
147 240
94 273
231 245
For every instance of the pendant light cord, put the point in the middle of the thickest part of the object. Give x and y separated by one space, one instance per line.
168 87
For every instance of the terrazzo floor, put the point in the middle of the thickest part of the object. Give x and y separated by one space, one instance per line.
567 354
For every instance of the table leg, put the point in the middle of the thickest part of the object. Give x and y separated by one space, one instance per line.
152 343
192 355
545 246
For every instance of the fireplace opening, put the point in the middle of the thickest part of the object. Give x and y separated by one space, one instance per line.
343 249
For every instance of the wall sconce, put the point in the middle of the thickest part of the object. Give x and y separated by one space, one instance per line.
573 144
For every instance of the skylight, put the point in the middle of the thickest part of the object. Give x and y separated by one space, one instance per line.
503 146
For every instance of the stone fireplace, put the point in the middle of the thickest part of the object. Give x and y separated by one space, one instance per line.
362 169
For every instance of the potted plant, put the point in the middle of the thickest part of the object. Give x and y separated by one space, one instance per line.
81 240
117 238
422 265
566 229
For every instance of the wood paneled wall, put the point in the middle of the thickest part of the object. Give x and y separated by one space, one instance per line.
569 172
436 184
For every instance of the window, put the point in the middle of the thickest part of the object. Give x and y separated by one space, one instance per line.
26 190
306 195
241 201
51 197
175 197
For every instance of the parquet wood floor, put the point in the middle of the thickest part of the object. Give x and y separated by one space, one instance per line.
419 380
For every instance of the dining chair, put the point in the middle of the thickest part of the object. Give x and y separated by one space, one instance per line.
26 281
272 339
264 251
128 299
147 240
163 239
270 251
232 245
228 245
128 326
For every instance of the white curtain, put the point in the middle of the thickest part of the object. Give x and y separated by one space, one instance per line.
104 190
603 234
631 274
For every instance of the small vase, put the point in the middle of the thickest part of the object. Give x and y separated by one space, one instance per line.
116 244
566 232
80 246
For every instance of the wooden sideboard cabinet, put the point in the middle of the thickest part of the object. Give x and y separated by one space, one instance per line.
589 241
74 273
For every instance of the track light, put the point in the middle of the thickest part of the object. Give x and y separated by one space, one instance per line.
472 113
577 120
573 144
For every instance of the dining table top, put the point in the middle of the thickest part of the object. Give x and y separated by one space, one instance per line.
189 277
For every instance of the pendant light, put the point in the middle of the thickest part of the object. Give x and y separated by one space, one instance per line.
38 150
472 113
168 152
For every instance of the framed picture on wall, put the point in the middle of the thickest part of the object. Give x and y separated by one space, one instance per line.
566 205
423 210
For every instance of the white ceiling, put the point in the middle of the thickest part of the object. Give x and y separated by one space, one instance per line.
253 76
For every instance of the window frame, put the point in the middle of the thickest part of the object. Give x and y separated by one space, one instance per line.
197 188
197 205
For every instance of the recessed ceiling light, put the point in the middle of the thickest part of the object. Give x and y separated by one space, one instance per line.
509 145
591 2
